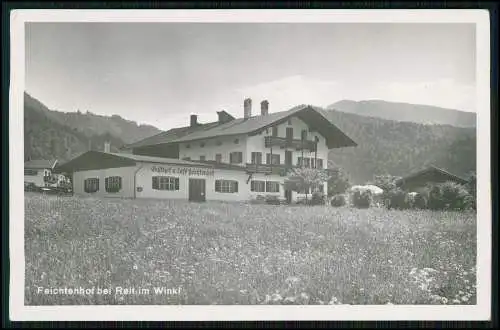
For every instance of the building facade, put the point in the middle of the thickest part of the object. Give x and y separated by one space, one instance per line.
39 172
228 160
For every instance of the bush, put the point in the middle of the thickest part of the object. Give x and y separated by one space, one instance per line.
338 200
361 198
449 196
398 199
318 198
420 201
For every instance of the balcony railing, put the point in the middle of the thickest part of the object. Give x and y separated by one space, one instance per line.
279 169
274 141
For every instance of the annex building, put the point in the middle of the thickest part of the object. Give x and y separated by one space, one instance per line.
231 159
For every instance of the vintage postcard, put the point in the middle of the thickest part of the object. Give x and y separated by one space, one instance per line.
250 165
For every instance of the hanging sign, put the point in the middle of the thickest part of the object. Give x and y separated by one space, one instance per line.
183 170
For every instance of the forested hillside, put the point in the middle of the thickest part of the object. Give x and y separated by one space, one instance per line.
417 113
384 146
398 148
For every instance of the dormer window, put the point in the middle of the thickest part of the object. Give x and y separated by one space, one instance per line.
289 121
202 144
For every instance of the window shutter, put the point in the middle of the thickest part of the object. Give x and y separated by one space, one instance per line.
231 157
176 183
240 157
252 185
217 185
268 186
106 183
268 158
235 186
156 183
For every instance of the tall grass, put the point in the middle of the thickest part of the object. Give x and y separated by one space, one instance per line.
222 253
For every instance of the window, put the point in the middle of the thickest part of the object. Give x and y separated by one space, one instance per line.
236 157
165 183
256 157
30 172
307 162
272 186
275 131
91 185
113 184
272 159
202 144
258 186
219 143
236 141
226 186
319 163
313 163
289 121
188 146
218 158
202 158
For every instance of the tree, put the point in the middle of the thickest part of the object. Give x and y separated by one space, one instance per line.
338 182
305 179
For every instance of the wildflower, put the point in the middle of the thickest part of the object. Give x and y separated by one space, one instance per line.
465 298
303 295
444 300
292 299
333 301
389 303
455 301
276 297
135 267
292 279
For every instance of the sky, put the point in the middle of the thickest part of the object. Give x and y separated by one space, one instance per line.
161 73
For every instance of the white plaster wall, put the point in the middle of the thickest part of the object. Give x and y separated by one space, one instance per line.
126 173
36 179
145 181
256 143
211 148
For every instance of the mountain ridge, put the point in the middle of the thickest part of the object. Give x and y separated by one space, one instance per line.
406 112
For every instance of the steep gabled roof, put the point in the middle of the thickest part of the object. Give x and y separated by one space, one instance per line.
313 116
92 160
445 175
40 164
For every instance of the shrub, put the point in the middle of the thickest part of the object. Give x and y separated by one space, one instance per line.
420 201
398 199
338 200
449 196
318 198
361 198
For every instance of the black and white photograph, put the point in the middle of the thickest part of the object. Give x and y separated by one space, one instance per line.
204 161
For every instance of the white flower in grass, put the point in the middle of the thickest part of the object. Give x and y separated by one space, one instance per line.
465 299
276 297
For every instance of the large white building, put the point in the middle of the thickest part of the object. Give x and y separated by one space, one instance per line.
230 159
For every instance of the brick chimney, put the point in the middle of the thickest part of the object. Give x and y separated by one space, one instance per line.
194 120
247 107
264 108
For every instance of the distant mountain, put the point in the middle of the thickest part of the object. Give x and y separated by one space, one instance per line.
91 124
400 148
52 134
384 146
417 113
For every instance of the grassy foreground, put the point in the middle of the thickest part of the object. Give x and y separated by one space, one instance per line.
175 252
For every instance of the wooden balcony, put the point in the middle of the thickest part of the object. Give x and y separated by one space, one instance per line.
279 169
274 141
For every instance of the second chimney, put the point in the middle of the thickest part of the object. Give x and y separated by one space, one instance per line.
264 108
247 107
107 147
194 120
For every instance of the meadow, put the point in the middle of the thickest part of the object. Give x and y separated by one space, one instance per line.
176 252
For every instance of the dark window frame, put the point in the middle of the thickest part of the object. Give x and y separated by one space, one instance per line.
226 186
91 185
113 184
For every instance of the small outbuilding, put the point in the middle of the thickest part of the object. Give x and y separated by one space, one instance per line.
432 174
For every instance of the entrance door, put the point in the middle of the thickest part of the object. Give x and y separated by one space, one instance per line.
197 190
288 196
288 158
